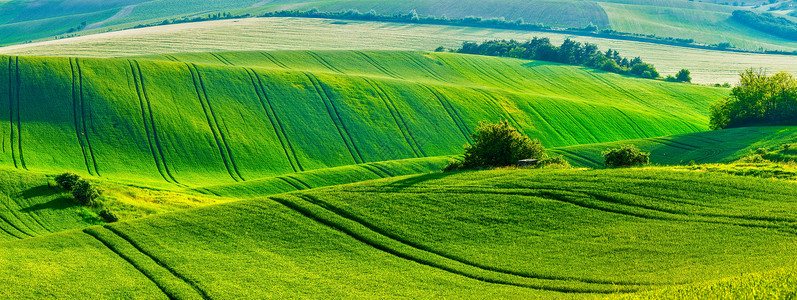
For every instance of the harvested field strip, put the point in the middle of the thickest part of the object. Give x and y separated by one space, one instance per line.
279 130
402 125
143 95
324 62
202 96
85 110
170 282
76 91
378 66
367 235
335 116
451 113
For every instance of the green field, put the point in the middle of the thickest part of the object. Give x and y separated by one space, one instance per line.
467 235
302 34
232 117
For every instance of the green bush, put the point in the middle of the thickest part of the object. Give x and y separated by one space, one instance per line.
108 216
67 180
453 166
85 193
625 156
553 162
684 76
753 159
500 145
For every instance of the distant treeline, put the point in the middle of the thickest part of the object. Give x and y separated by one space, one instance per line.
497 23
766 22
758 100
570 52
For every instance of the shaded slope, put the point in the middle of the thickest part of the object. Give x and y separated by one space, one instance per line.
489 234
218 118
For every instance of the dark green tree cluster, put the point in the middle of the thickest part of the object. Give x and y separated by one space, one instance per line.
85 193
570 52
766 22
625 156
498 145
757 100
682 76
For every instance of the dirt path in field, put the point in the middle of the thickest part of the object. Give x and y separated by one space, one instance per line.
124 12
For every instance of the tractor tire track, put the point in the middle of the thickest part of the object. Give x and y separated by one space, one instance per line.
279 130
398 118
177 276
15 226
378 66
172 58
291 183
369 169
638 129
159 160
211 119
324 62
299 181
142 94
419 254
221 59
423 66
494 101
451 113
76 114
11 89
595 162
83 109
19 116
335 116
274 60
22 221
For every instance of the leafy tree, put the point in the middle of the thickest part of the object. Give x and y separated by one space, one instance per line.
684 76
85 193
67 180
625 156
757 100
499 144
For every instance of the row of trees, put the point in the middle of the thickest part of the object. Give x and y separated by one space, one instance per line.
758 100
766 22
570 52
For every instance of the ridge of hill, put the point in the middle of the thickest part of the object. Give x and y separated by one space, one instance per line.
230 117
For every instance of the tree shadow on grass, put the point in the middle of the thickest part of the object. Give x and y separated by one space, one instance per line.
58 203
416 180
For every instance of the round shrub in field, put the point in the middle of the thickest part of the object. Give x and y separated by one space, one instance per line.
498 145
625 156
67 180
85 193
108 216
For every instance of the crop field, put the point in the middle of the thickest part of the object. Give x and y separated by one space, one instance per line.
233 117
437 235
703 147
311 34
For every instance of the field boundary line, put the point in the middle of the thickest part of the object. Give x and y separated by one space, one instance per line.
416 254
335 116
76 115
452 113
200 90
83 118
398 118
155 136
275 122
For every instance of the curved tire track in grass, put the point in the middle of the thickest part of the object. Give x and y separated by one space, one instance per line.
378 66
211 120
144 97
273 59
156 155
221 58
169 281
76 90
363 233
290 155
400 123
335 116
13 86
83 110
324 62
451 113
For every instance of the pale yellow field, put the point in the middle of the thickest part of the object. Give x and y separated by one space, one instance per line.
315 34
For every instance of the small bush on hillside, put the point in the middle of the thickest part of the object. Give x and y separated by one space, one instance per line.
85 193
625 156
684 76
67 180
553 162
108 216
753 159
499 145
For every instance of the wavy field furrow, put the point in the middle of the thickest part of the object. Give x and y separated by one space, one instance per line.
402 125
279 130
335 116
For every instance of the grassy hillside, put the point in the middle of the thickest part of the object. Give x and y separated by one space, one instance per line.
302 34
490 234
704 147
232 117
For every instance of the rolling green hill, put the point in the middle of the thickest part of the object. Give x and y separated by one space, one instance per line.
231 117
518 234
